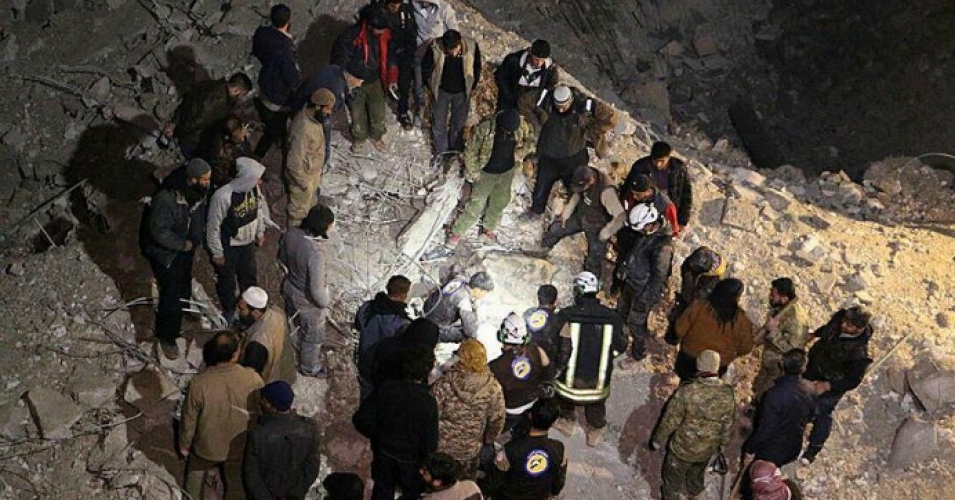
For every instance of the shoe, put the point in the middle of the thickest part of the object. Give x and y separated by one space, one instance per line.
406 122
565 426
379 145
453 239
360 148
809 456
595 437
490 236
170 351
529 216
319 373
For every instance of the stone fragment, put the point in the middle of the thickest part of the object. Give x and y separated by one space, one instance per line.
16 269
11 50
673 49
945 319
111 454
93 392
101 88
705 45
741 214
933 388
14 419
915 441
854 283
53 412
779 200
148 386
824 283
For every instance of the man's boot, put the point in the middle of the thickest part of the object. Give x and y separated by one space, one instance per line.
565 426
595 436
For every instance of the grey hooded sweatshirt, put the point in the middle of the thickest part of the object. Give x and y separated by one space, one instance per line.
229 208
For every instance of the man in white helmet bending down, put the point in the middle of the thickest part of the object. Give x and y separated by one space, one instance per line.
523 369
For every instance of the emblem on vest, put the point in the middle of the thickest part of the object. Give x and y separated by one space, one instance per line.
538 462
521 367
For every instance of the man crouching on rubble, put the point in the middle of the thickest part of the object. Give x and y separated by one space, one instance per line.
453 306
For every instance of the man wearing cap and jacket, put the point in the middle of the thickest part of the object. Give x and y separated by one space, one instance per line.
306 157
522 75
593 209
281 453
489 167
698 422
267 348
175 227
279 77
669 175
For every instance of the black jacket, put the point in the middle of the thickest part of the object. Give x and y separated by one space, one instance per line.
647 268
783 413
563 135
536 470
376 320
404 29
590 317
170 221
401 420
508 75
329 77
680 188
281 457
279 76
840 361
358 43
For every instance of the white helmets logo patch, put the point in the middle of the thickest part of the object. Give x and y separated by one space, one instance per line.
537 320
521 367
538 462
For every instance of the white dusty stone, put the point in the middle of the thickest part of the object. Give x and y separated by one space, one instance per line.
53 412
93 392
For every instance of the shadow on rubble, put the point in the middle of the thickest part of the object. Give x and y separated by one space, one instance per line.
315 49
109 208
637 430
183 69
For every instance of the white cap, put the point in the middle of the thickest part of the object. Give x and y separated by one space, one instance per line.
255 297
562 94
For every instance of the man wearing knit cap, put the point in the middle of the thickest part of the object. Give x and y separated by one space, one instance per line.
306 158
175 226
267 348
669 175
522 75
281 454
237 215
698 421
489 160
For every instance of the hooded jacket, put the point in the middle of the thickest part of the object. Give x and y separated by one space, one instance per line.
564 134
170 222
238 210
359 43
401 420
470 410
306 283
376 320
679 188
433 18
280 75
841 361
512 81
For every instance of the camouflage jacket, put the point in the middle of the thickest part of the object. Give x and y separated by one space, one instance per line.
477 152
470 412
700 417
791 332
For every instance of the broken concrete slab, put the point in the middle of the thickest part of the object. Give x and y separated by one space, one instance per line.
915 441
94 391
53 412
429 223
111 454
934 389
14 420
741 214
149 386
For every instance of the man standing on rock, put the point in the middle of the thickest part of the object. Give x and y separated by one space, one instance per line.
785 329
489 160
341 81
303 253
523 369
590 337
306 158
699 274
236 225
377 320
267 347
522 76
669 174
203 106
404 30
593 209
279 77
452 66
221 404
175 228
368 43
281 454
700 417
644 272
453 306
837 363
433 18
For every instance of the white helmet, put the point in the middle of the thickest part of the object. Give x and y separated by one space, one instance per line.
586 282
641 216
513 330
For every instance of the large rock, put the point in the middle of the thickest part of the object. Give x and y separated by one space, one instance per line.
14 419
915 441
934 389
93 392
149 386
53 412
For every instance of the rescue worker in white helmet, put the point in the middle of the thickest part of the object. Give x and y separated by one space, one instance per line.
523 369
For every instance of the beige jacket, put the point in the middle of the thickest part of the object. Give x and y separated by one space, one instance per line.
272 332
306 156
221 404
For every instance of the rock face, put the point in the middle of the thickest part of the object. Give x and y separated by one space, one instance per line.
149 386
53 412
916 441
14 419
93 392
934 390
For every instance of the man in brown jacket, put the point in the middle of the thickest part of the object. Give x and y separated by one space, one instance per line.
306 157
267 347
221 404
716 323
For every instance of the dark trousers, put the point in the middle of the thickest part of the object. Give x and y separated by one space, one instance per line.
239 266
822 419
626 238
549 171
595 413
390 473
596 249
275 130
175 286
405 82
447 125
367 107
635 320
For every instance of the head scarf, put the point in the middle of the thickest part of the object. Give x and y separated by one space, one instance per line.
768 482
472 356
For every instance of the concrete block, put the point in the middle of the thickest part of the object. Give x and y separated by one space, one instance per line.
53 412
93 392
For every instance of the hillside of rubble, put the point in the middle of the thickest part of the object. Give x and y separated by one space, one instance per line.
86 411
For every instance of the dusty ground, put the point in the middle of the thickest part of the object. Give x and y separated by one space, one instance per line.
58 306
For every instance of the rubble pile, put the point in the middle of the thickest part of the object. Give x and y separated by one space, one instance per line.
85 410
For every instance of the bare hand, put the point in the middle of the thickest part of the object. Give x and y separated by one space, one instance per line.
822 387
188 246
219 261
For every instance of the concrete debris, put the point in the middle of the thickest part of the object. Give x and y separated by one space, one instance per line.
705 46
428 224
14 420
16 269
93 391
149 386
53 412
945 319
935 389
915 442
111 454
855 282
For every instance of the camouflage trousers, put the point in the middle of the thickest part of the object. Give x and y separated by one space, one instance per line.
682 478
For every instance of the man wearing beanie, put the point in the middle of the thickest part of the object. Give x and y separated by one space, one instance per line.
698 421
522 75
470 407
454 306
267 347
669 175
175 226
306 158
489 160
237 215
274 47
281 454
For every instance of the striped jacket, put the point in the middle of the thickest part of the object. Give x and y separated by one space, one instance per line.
591 335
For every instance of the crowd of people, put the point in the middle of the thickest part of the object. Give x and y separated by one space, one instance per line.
468 428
